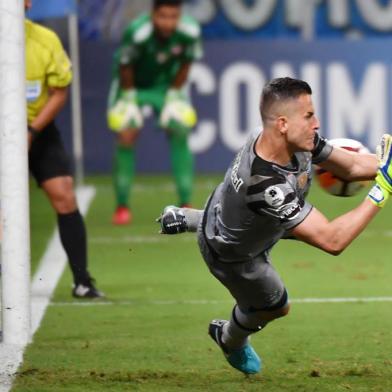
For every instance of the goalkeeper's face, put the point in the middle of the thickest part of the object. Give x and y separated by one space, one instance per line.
27 4
165 19
302 123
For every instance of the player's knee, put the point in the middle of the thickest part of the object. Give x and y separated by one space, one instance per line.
61 194
127 138
284 311
178 131
65 203
278 313
280 309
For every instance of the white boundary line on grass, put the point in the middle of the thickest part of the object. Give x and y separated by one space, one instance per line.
215 302
43 285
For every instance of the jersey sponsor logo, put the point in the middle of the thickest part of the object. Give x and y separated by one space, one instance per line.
162 57
176 50
289 211
235 180
33 90
274 196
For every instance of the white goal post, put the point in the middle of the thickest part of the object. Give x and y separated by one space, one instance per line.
15 245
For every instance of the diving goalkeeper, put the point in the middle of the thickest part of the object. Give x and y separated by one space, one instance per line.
262 199
151 68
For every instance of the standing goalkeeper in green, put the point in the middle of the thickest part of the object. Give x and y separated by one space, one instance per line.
151 68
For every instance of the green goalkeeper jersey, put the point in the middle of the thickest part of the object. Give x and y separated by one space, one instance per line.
156 62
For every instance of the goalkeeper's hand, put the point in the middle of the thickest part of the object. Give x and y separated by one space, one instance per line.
380 192
125 113
177 115
172 221
174 94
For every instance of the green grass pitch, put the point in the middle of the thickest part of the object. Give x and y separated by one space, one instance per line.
153 334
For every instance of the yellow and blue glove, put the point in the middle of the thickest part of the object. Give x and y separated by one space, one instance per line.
381 191
125 113
177 115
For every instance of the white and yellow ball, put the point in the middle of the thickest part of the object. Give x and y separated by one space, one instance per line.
335 185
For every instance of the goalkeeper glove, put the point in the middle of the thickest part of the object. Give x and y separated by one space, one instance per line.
125 113
380 192
174 94
172 221
177 115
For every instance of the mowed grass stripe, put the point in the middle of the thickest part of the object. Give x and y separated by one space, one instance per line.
43 284
159 238
163 346
214 302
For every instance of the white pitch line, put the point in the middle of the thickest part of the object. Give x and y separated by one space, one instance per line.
43 285
214 302
340 300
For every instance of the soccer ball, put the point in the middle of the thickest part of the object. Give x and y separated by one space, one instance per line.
335 185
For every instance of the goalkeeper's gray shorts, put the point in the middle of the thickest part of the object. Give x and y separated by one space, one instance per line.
254 284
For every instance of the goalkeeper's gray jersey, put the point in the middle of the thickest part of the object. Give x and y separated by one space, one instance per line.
256 204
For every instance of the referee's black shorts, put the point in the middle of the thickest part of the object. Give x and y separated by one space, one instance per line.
47 156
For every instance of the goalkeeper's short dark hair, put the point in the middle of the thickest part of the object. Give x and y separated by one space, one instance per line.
281 89
175 3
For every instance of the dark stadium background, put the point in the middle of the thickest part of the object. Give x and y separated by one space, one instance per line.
349 46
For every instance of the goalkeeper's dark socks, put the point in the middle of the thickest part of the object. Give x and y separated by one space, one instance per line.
74 240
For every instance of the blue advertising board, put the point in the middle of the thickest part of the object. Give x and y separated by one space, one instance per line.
251 18
351 84
286 18
44 9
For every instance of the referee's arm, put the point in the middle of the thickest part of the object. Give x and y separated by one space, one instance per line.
57 99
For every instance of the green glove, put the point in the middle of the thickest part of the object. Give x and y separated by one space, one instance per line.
381 191
125 113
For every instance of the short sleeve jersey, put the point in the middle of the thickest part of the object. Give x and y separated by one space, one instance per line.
156 62
256 204
47 65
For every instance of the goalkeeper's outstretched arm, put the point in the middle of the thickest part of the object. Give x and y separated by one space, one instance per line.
351 166
333 237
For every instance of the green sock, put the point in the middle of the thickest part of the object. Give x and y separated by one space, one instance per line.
182 166
123 173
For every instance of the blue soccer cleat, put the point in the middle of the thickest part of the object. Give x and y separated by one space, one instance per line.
244 359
